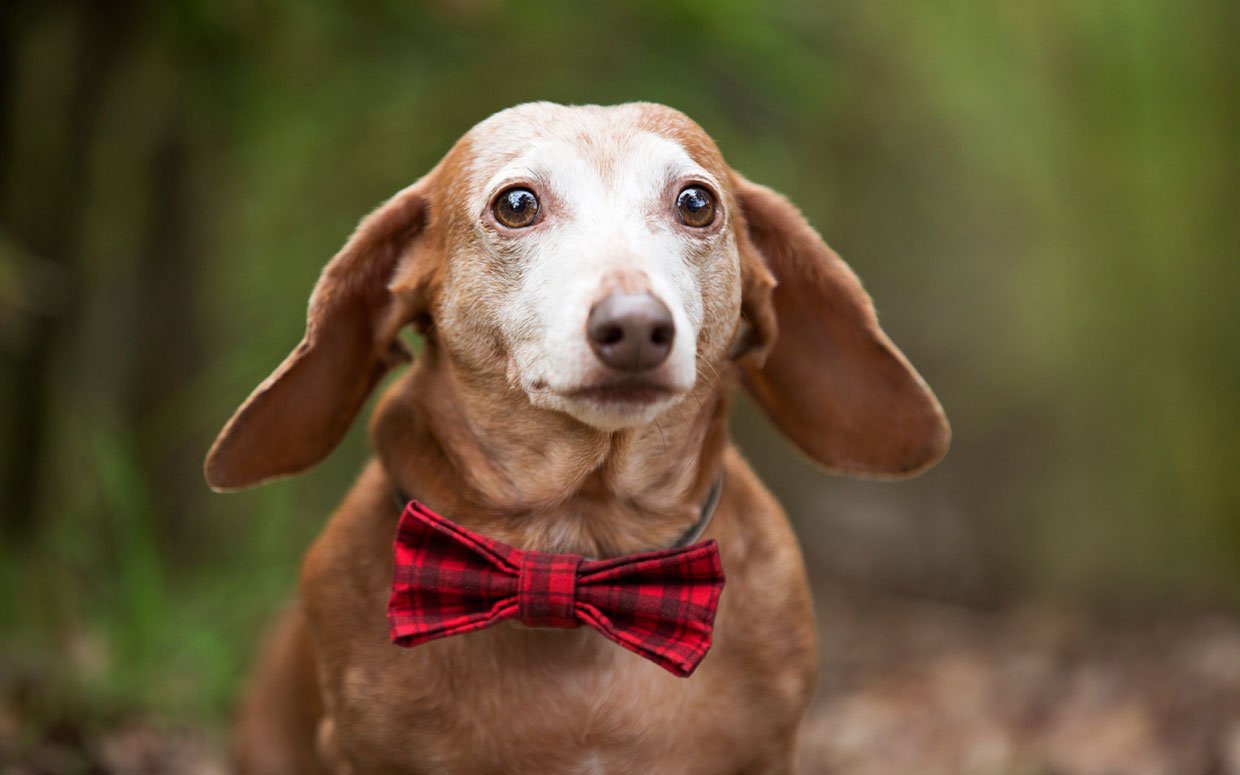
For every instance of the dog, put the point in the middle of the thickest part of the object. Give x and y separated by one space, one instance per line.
589 284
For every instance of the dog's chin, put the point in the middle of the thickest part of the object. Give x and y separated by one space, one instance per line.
611 406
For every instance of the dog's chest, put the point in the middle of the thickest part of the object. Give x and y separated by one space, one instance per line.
514 699
523 700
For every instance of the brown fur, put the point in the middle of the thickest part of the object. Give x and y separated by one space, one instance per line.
453 431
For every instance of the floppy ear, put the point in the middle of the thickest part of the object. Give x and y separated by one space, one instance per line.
299 413
820 366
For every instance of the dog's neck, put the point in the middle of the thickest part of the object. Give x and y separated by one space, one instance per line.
479 453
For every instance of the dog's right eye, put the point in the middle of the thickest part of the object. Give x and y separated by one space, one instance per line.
516 208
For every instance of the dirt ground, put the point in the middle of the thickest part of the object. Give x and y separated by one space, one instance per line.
913 687
907 688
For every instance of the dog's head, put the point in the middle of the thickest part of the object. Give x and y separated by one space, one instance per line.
605 262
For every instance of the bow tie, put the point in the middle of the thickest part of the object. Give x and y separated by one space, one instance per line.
449 580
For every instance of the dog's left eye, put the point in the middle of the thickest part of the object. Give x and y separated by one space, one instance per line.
696 207
516 208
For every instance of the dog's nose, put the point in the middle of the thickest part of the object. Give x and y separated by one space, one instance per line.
631 331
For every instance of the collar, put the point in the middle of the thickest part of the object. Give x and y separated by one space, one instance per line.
690 536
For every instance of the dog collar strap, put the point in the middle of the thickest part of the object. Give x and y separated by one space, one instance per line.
708 510
448 580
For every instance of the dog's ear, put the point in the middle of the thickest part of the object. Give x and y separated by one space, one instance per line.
298 414
817 361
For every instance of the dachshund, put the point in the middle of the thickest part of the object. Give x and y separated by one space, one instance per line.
589 284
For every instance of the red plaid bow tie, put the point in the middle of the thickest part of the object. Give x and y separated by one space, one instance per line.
449 580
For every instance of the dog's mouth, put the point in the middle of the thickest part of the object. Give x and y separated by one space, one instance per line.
622 393
608 401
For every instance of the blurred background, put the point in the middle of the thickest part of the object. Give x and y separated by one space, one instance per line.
1041 197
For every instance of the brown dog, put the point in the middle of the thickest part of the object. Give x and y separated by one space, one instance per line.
589 282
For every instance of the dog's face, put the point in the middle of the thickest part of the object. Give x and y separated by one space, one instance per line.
593 259
605 262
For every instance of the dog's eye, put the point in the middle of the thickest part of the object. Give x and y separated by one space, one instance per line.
696 207
516 208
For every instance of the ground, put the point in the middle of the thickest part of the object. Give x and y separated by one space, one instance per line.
908 686
912 687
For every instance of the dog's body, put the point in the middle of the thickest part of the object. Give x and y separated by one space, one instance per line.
522 421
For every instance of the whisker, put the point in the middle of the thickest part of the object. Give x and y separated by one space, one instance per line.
662 438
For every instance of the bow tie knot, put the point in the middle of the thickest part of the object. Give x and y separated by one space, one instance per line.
448 580
547 590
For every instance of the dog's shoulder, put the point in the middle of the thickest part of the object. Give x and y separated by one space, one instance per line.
349 564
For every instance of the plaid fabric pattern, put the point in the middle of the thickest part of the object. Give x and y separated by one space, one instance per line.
448 580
